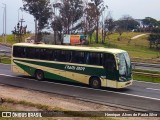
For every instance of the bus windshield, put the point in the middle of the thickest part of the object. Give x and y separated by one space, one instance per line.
124 66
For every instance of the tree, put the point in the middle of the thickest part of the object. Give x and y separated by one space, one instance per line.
57 28
126 23
99 4
90 20
71 11
154 40
109 26
150 23
40 9
120 27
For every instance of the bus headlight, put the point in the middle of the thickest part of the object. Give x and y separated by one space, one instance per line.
122 79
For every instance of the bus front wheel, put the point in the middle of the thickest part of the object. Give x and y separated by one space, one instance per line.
39 75
95 82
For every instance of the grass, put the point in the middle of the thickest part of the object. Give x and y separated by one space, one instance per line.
5 60
147 71
146 78
11 39
137 48
47 108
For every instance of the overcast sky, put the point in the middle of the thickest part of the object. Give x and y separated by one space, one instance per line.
138 9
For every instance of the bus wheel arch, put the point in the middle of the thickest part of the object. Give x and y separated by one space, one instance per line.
95 82
39 74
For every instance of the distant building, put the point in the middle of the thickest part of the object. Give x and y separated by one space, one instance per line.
30 39
140 21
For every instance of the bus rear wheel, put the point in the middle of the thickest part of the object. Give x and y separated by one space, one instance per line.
95 82
39 75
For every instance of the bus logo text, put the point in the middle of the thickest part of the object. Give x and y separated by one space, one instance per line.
68 67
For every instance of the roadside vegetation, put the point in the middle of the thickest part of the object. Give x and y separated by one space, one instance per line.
5 60
41 107
148 76
11 39
145 78
137 48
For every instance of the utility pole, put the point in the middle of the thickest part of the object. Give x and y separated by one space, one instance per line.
35 30
5 23
21 28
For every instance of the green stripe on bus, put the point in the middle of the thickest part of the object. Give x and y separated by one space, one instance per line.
70 68
91 71
31 72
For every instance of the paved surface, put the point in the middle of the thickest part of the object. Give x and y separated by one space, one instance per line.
143 96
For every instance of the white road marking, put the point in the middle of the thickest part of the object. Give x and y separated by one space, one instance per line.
87 88
153 89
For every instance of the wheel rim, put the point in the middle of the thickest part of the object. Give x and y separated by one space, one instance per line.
95 83
39 75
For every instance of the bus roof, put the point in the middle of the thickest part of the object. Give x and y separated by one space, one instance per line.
67 47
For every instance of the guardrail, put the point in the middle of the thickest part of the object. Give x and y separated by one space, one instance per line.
148 74
5 53
134 64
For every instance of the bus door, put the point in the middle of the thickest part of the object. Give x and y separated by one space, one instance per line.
109 64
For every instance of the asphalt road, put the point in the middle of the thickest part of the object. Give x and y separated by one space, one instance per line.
139 96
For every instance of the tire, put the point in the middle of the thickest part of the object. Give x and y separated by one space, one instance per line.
39 75
95 82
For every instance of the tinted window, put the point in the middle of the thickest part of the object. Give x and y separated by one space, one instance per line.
30 53
19 52
109 62
62 56
78 57
94 58
49 54
37 53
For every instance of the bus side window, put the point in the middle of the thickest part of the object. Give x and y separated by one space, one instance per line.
37 53
55 55
19 52
30 52
16 51
24 52
78 57
87 57
42 53
109 62
48 54
59 55
68 56
94 59
63 56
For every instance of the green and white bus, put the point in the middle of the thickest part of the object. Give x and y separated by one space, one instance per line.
96 66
